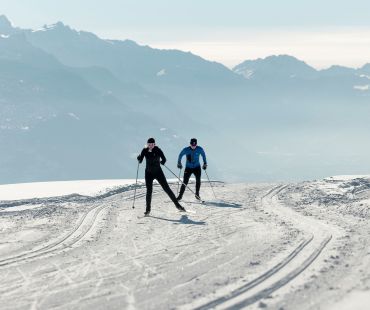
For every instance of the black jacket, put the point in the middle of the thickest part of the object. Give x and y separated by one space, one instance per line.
153 158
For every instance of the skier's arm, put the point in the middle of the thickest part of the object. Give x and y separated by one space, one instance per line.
203 156
141 156
182 153
163 161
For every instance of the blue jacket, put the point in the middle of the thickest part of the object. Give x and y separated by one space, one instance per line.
192 156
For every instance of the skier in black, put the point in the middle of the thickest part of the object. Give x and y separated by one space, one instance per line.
154 157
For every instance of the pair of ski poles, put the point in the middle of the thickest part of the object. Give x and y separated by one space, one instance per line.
178 184
178 177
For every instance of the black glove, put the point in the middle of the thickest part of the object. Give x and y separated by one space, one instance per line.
179 165
204 166
163 162
139 159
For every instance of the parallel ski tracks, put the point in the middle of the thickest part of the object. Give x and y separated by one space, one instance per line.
269 281
83 227
249 293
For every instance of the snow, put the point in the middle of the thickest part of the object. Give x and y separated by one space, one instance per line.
161 72
39 29
59 188
247 73
21 208
46 28
73 116
346 177
4 36
365 76
262 245
358 300
361 87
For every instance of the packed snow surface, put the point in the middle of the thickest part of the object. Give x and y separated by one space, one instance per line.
52 189
81 245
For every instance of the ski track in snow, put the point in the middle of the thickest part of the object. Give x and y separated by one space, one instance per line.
82 229
241 297
257 246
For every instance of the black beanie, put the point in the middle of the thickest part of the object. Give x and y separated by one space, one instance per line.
151 140
193 141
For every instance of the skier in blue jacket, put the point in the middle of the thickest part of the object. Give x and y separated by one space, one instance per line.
192 153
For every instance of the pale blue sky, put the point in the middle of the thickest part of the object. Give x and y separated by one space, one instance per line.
320 32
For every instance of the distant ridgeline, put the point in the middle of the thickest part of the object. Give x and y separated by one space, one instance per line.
75 106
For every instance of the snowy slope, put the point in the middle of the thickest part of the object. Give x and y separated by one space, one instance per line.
271 246
53 189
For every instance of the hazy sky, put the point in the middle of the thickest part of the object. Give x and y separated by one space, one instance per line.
321 32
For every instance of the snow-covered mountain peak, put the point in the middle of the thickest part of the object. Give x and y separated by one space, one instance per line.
56 26
4 21
284 59
6 27
60 30
275 66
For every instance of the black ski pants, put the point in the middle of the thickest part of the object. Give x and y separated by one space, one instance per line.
187 174
157 174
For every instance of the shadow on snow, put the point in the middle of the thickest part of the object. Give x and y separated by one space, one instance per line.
223 204
219 204
183 220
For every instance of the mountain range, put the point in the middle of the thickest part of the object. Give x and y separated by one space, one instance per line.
75 106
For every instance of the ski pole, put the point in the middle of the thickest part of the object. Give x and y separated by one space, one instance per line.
178 183
180 180
137 174
210 183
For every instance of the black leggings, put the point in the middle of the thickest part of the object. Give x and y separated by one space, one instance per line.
157 174
187 174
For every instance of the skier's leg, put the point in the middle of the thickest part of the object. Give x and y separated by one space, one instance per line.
187 174
162 180
149 190
197 172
